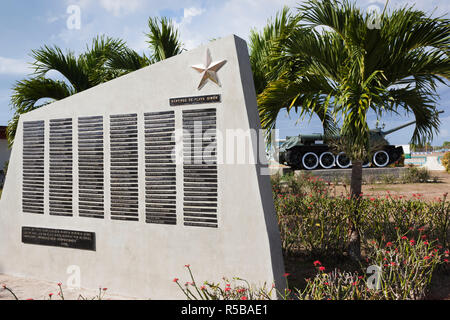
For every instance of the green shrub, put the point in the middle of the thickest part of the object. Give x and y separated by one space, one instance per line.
315 223
416 175
388 179
446 161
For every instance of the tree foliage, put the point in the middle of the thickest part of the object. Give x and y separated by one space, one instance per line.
332 63
105 59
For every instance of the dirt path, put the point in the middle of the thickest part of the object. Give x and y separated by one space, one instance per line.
40 290
427 191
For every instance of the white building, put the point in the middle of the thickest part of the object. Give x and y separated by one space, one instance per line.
4 152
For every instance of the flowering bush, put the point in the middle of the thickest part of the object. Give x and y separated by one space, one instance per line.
313 220
402 270
238 289
60 294
336 285
407 265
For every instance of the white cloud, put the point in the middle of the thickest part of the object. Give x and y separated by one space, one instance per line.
223 18
189 13
436 7
14 66
121 7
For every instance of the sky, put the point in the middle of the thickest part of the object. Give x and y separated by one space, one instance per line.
26 25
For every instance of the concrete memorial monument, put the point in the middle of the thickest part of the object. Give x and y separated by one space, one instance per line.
131 180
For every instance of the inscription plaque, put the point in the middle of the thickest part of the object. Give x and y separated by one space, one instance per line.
214 98
59 238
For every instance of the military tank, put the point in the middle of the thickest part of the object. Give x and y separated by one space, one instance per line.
311 151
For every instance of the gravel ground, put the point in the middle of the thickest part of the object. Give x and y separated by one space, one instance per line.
40 290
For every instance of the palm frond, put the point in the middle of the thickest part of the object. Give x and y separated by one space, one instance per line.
26 95
164 39
52 58
263 46
127 60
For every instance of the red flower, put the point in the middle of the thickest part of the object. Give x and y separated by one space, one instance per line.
317 262
227 289
104 289
175 280
388 244
412 242
50 295
187 265
404 238
59 284
322 268
286 275
244 298
426 257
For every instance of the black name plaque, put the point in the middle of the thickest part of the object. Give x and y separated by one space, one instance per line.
214 98
59 238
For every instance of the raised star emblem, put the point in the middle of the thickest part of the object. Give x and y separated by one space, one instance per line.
209 70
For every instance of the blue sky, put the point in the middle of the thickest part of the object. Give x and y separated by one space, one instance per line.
26 25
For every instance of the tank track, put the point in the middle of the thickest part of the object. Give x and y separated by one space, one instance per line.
321 157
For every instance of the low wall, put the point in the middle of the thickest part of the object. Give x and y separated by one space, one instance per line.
369 174
432 163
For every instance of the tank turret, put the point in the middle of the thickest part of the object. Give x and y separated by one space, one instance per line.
310 151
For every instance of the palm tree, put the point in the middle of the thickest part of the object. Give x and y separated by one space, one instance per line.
105 60
263 47
334 61
265 53
79 73
164 42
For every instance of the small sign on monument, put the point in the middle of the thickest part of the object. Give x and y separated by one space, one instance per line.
59 238
214 98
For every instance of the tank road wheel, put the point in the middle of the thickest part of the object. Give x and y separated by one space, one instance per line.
381 158
343 161
366 164
327 160
310 161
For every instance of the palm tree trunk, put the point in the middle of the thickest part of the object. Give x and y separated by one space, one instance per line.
354 239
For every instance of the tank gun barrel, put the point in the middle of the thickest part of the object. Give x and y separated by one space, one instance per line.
404 125
398 128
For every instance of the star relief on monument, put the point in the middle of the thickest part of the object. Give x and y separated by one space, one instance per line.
209 70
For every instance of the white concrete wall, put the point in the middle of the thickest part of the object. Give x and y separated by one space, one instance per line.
426 161
140 259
